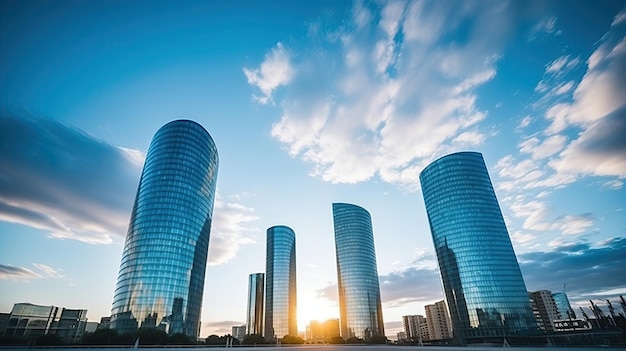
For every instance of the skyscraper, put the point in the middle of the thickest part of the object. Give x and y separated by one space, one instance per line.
161 276
280 284
563 306
254 319
360 309
482 282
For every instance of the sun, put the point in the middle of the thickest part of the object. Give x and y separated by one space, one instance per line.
311 308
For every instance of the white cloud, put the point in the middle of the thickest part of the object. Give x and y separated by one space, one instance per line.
521 238
22 273
535 213
546 26
17 273
619 19
614 184
525 122
563 88
470 138
540 149
48 271
276 70
600 150
230 229
386 98
562 64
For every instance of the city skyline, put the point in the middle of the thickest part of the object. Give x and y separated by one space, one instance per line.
309 105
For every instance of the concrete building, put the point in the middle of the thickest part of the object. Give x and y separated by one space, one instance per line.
546 306
415 328
438 320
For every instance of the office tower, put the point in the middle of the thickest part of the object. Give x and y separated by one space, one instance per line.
438 321
482 282
547 309
161 276
71 324
280 284
254 319
360 309
27 319
563 306
415 327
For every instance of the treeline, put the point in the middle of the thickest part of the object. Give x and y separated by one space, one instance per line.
151 336
146 336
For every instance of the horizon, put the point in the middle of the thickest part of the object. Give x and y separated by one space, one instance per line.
312 104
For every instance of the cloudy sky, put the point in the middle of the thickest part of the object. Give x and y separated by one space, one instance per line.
311 103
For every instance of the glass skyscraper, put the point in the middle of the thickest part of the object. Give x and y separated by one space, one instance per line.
360 309
563 306
280 284
482 281
254 319
161 276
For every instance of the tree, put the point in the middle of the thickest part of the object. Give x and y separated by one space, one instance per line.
179 339
290 339
214 340
336 340
353 340
100 337
151 336
379 339
253 339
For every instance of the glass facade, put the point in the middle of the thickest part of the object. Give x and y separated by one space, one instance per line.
31 320
360 309
563 306
254 319
280 284
482 281
161 276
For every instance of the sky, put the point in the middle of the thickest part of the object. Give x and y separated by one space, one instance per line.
311 103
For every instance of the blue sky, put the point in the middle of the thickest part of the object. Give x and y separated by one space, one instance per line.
311 103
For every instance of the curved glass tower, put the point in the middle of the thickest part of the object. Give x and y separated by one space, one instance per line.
482 282
254 319
161 276
280 284
360 309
